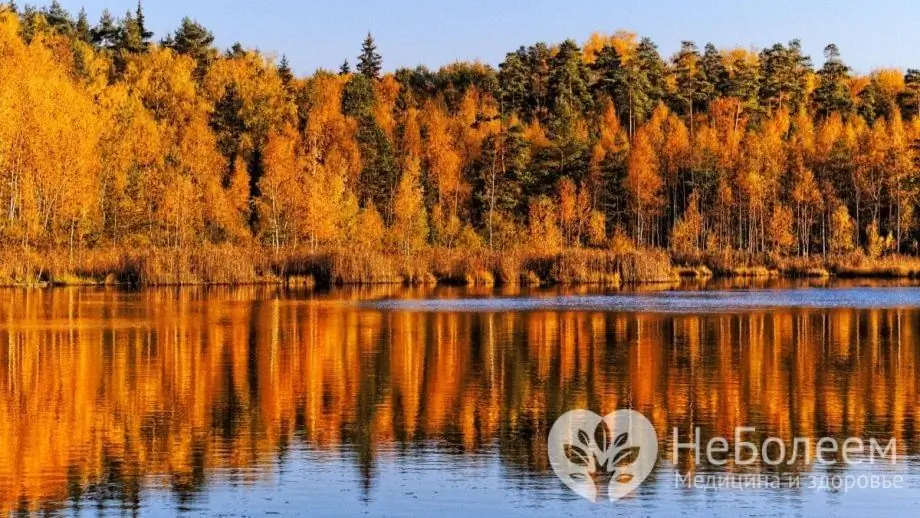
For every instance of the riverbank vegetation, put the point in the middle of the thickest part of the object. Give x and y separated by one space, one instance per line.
127 160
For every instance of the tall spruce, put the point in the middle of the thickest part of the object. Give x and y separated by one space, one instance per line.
285 72
82 30
369 62
145 34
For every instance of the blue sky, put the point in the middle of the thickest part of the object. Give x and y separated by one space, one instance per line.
870 34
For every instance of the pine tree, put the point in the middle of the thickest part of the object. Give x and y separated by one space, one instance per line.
832 94
568 82
512 79
369 62
500 188
872 103
785 73
714 75
630 87
654 68
58 18
193 39
743 82
612 81
539 57
524 79
235 51
690 82
345 69
105 34
129 35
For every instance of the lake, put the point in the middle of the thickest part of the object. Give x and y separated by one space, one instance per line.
390 401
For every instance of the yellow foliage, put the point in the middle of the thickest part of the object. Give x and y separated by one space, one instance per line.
545 236
842 231
779 230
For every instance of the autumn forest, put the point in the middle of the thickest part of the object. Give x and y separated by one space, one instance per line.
125 157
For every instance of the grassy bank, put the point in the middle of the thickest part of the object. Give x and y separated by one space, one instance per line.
241 265
233 265
478 267
854 265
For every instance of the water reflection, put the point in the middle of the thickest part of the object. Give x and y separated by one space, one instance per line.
105 393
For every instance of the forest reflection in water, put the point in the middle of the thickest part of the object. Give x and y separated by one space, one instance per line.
106 395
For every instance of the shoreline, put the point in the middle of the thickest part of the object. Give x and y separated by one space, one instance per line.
227 265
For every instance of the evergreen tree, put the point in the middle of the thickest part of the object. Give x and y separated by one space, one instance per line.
193 39
568 82
380 172
910 98
872 104
228 123
630 86
82 30
145 34
105 34
523 81
653 68
358 97
130 39
503 181
833 93
612 81
285 72
31 23
539 57
58 18
369 62
692 88
345 69
513 80
742 82
235 51
785 72
714 74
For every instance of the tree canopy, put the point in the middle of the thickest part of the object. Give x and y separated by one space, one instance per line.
109 137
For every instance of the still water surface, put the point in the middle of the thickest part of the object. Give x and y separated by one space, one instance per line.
393 402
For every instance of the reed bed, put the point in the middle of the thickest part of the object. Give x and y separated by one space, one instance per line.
235 265
890 267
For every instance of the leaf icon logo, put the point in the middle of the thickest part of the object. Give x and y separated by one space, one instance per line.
591 454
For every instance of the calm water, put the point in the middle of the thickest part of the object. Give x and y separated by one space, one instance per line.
391 402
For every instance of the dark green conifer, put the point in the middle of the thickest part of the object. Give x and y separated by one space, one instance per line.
369 62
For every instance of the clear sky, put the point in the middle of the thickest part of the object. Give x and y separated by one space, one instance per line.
869 33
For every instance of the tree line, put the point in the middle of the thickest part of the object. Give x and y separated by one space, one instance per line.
110 138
